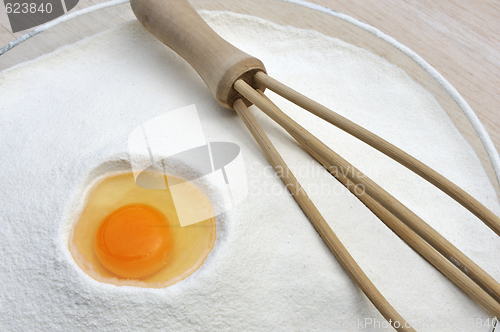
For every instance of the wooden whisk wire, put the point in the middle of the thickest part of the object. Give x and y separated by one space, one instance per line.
390 150
465 273
319 222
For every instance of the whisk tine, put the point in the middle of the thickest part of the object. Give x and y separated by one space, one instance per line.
451 189
426 232
420 246
319 222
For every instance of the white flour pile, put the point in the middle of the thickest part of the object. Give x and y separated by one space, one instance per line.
65 119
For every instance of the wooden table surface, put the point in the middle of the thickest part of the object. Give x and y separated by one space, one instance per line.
459 38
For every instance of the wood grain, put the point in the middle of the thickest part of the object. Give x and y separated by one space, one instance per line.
459 38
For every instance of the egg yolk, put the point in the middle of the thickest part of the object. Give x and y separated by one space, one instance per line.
133 241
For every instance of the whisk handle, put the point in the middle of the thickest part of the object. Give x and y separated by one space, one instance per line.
177 24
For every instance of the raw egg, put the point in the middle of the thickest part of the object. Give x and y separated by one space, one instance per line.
128 235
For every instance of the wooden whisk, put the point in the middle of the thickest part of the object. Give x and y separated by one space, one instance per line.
238 80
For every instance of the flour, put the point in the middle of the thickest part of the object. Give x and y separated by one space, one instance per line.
65 119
